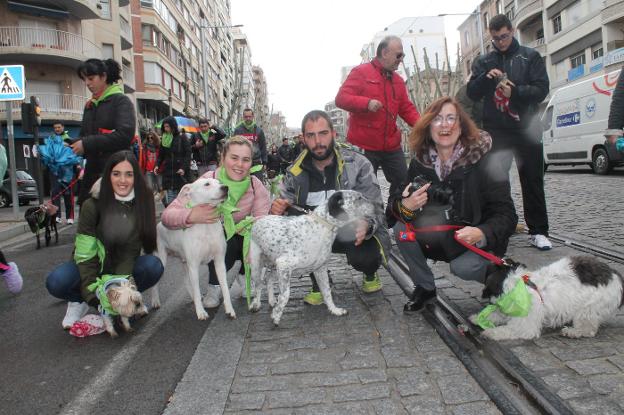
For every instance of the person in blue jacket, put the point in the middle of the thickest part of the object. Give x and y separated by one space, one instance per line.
61 162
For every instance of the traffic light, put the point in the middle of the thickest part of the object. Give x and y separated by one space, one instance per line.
36 110
27 121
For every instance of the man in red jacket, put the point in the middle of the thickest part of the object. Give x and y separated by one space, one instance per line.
375 94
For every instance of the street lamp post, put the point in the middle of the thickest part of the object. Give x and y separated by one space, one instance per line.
203 42
479 30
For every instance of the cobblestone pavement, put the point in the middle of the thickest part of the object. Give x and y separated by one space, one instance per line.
587 373
375 360
582 205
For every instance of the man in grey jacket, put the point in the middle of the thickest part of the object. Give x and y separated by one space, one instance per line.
319 171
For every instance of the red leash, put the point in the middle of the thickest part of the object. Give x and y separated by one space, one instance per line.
443 228
71 184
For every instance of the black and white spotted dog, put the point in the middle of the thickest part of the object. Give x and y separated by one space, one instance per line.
297 245
39 218
579 290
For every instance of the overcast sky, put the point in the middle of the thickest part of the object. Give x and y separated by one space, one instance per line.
301 45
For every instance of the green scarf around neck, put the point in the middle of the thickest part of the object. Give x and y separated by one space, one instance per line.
110 90
166 140
248 125
205 136
236 190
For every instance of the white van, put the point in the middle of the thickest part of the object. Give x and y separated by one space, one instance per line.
575 122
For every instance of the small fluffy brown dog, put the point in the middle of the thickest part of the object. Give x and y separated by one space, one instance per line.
124 300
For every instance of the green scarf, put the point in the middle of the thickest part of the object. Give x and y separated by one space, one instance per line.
205 136
248 125
99 286
236 190
166 140
110 90
86 247
516 303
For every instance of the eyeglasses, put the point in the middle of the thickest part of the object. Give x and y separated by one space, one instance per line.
501 38
400 55
449 119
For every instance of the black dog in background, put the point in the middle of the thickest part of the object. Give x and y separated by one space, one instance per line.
39 218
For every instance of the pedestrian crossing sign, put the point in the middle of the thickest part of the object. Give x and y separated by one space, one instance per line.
12 83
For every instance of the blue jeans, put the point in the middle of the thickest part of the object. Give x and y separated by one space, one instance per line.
64 281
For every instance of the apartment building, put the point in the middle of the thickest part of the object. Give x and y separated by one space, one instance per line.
339 120
577 38
261 103
51 39
186 48
245 89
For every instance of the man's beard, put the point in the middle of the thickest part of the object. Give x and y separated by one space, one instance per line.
324 156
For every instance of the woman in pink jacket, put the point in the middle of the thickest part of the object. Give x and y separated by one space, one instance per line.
247 199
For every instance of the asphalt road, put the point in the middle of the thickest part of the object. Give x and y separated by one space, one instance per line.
44 370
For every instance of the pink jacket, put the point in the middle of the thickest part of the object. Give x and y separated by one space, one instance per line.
255 202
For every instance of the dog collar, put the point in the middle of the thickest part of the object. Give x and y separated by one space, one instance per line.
323 221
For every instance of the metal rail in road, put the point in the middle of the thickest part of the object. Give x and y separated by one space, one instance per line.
513 387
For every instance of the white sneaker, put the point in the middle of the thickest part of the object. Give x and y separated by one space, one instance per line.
541 242
212 298
58 220
75 311
70 221
236 290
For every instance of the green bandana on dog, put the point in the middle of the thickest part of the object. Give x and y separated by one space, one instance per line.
100 285
515 303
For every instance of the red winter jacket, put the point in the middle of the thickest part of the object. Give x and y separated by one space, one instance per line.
375 131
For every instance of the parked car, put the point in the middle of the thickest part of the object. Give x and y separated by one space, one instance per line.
26 189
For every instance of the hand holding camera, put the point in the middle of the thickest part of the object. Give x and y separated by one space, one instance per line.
415 194
420 191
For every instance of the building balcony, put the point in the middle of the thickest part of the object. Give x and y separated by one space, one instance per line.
82 9
127 75
613 11
539 45
23 44
125 33
64 107
527 9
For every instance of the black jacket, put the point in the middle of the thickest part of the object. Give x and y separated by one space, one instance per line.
106 129
207 153
481 196
616 113
525 68
285 153
173 158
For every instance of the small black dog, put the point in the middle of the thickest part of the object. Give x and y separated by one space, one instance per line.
41 218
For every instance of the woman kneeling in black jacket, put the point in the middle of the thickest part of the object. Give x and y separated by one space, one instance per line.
456 183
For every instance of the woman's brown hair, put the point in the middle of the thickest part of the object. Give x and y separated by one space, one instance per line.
154 136
420 138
